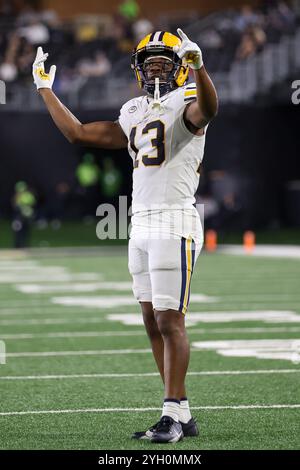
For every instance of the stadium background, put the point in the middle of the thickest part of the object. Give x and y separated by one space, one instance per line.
253 57
78 372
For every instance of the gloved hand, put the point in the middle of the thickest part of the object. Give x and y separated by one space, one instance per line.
40 77
189 50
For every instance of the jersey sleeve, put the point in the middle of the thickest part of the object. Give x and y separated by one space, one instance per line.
184 96
190 95
189 92
125 117
123 121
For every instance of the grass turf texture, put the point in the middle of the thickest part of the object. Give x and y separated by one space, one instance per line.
240 283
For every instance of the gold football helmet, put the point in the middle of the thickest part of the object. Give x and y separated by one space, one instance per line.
159 44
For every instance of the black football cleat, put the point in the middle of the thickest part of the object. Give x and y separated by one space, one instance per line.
145 435
189 429
167 430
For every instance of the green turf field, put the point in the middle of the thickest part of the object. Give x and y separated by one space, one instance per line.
79 376
83 234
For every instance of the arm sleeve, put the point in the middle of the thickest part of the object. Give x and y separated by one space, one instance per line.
123 120
126 115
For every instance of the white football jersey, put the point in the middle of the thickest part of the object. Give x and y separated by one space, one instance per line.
166 155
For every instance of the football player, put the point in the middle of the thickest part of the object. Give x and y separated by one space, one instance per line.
165 132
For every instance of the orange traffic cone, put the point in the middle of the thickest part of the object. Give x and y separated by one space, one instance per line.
211 240
249 241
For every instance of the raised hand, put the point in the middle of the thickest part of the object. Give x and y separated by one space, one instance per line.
40 77
189 50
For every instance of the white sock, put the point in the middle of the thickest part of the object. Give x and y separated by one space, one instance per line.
172 409
184 411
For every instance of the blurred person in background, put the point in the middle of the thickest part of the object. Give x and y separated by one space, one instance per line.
96 67
129 9
141 27
124 20
164 131
225 188
88 174
9 69
247 47
247 17
34 30
111 179
23 203
281 17
54 204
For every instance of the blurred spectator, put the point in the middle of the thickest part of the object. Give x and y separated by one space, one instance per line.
34 31
281 17
211 39
87 171
259 37
57 202
111 179
247 47
25 58
129 9
9 70
88 174
141 28
86 28
246 18
286 13
23 203
123 31
96 67
50 18
76 46
252 41
225 191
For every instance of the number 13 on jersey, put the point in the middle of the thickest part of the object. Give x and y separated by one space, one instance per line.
158 144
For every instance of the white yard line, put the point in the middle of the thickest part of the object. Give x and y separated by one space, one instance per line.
278 346
260 296
26 303
80 353
73 287
292 329
75 334
226 311
271 251
149 374
62 275
193 318
140 410
87 334
52 321
18 264
279 349
110 301
46 309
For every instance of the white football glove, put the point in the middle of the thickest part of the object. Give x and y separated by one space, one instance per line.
189 50
40 77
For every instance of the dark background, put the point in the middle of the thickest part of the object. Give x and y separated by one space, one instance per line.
260 145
